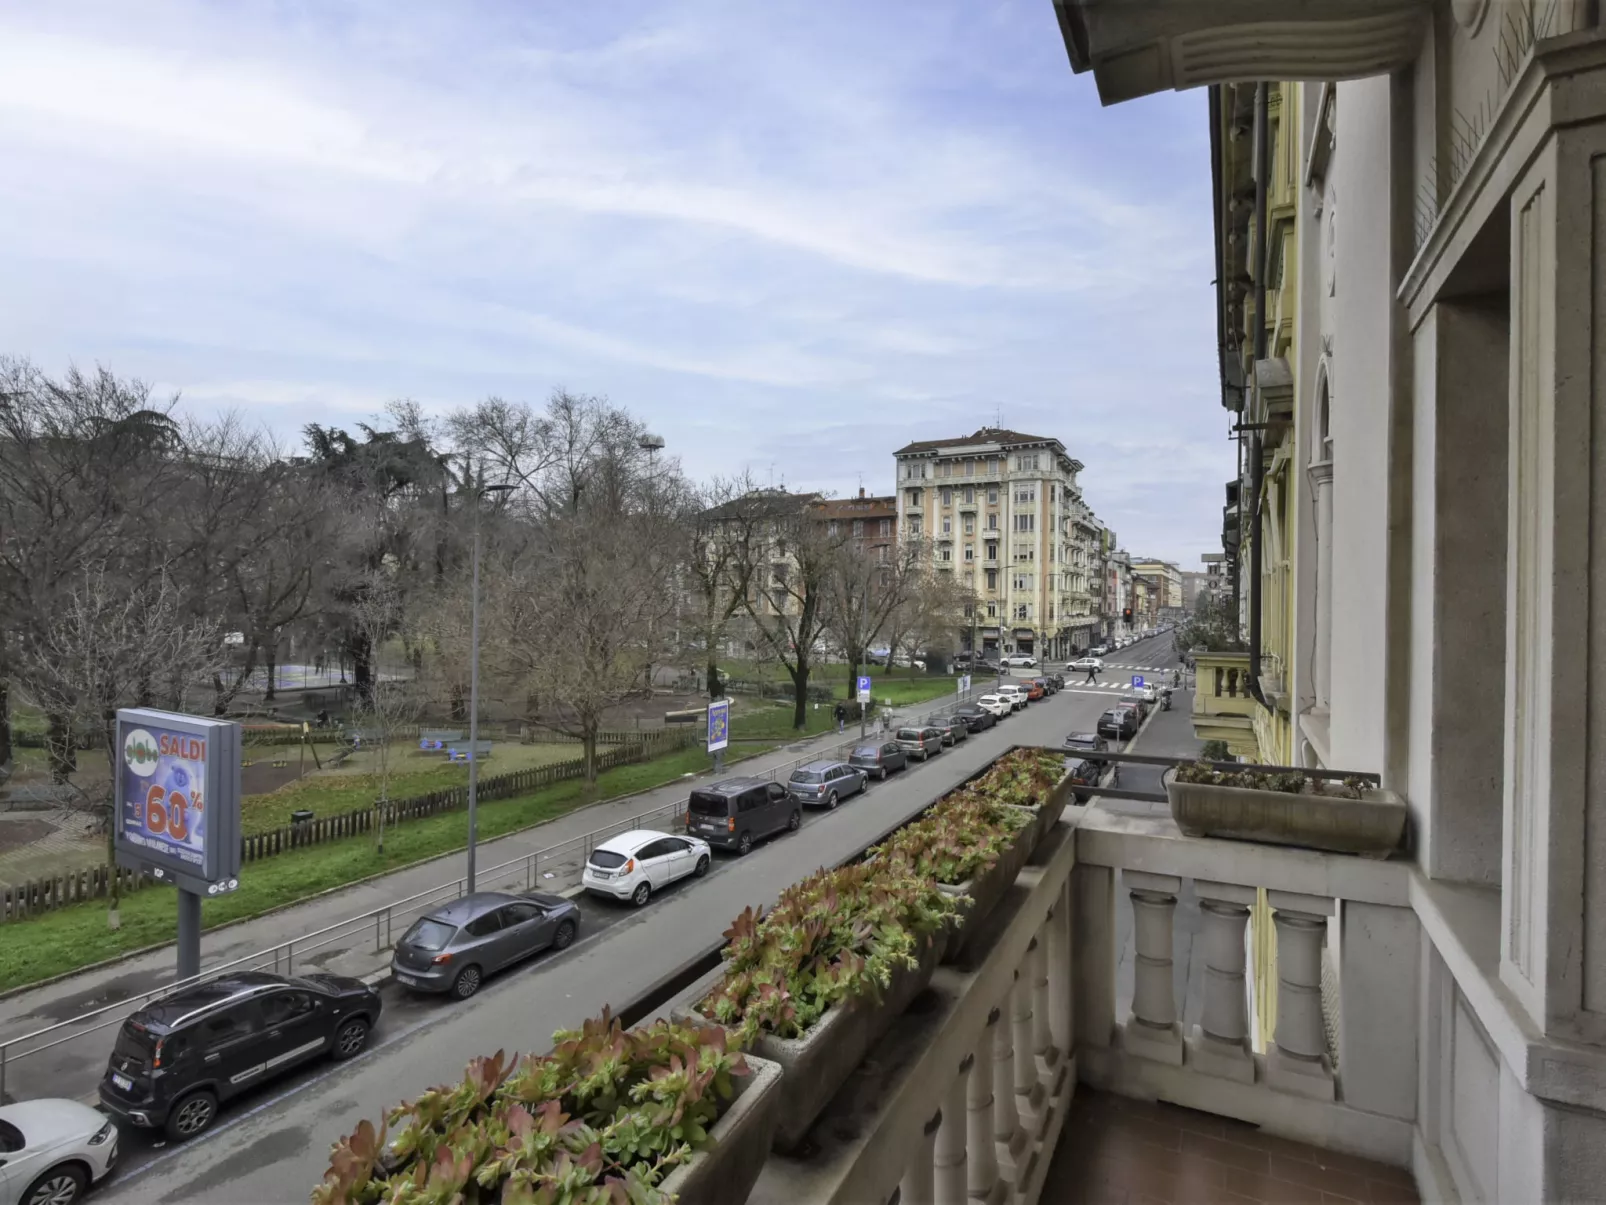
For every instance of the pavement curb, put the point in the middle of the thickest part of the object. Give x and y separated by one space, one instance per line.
127 956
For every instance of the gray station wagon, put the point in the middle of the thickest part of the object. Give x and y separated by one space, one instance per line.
826 783
920 742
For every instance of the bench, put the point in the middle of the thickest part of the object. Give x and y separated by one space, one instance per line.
463 749
363 736
434 739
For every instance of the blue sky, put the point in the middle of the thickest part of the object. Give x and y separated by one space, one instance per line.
791 236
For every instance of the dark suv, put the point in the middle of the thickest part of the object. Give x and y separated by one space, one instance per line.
735 813
183 1054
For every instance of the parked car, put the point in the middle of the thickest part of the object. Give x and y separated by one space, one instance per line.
633 865
1147 693
1086 774
1138 703
453 948
1021 661
1085 742
826 783
984 666
977 719
1058 680
1046 682
879 759
736 812
179 1057
1034 690
996 705
52 1150
1119 723
1016 695
919 742
1099 650
1082 664
953 728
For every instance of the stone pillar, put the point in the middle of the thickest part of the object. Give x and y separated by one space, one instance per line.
1220 1046
919 1183
948 1160
1093 955
983 1178
1321 480
1298 1062
1061 986
1152 1030
1008 1135
1028 1089
1043 1051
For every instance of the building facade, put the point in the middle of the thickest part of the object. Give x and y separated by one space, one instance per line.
1444 399
996 507
869 522
1169 580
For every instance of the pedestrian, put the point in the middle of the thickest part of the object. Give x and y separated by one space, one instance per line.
1092 674
841 716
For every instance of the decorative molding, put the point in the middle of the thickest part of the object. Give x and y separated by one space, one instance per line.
1469 14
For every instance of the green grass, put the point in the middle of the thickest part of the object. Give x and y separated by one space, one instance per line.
78 936
770 720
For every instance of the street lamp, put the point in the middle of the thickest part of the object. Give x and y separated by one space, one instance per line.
474 693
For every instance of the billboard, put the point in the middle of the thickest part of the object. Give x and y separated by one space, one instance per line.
178 798
719 724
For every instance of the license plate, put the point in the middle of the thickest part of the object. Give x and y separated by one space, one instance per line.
123 1082
407 980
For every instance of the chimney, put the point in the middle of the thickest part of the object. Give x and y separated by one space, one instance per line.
861 491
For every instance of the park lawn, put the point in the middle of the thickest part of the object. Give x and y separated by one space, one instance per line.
331 792
760 718
77 936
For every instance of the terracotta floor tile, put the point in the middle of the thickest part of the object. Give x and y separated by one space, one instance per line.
1219 1150
1321 1179
1192 1120
1392 1192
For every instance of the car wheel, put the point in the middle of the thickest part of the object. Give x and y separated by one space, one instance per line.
350 1038
881 774
467 982
795 821
744 844
830 802
702 866
59 1186
191 1116
641 894
564 937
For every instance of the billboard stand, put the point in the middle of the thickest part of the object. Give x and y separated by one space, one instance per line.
719 731
178 811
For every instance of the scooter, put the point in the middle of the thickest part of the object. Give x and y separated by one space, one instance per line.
1165 699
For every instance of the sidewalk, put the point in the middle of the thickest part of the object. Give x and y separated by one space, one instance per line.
362 949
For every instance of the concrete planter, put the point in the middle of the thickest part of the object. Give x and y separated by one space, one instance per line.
724 1173
988 887
815 1065
1048 810
1370 826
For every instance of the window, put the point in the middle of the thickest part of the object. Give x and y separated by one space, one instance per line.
1051 496
230 1025
831 527
484 926
915 497
970 471
1023 581
1023 610
523 914
1025 552
1051 552
886 527
992 610
1027 462
284 1007
970 552
1026 493
1051 610
992 522
992 579
1025 522
969 495
777 793
881 554
914 525
858 528
947 495
992 550
947 554
947 525
992 496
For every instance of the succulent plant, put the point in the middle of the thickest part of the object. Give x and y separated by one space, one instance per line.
1290 782
957 839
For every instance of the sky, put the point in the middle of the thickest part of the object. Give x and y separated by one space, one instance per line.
790 236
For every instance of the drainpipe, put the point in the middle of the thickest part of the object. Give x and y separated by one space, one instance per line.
1257 472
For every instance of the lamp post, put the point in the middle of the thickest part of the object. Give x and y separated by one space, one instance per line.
474 693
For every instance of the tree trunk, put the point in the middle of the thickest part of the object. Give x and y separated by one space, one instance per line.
800 689
459 704
272 661
588 742
109 726
62 749
362 670
5 724
716 688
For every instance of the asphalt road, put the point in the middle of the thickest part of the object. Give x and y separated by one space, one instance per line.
273 1146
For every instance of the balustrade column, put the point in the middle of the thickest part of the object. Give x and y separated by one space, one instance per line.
983 1178
1220 1046
919 1183
1298 1061
1152 1030
1061 983
1007 1132
948 1161
1028 1086
1044 1053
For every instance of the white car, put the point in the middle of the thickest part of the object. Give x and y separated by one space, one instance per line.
51 1151
995 705
1020 661
1083 664
636 864
1147 693
1098 650
1016 695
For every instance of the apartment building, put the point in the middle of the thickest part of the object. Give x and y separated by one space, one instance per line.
1001 510
1168 579
869 521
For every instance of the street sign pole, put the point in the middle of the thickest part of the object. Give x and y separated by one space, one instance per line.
864 702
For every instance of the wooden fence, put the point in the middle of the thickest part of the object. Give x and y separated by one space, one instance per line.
46 894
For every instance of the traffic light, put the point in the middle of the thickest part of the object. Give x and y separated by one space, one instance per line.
1127 615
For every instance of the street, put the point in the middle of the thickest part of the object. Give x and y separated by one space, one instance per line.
274 1146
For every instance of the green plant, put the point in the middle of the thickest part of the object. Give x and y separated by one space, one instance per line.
1022 777
1215 751
837 935
957 839
1290 782
602 1119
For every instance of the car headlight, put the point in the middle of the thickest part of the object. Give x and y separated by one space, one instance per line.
102 1134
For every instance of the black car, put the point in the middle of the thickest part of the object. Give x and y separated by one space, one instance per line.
1086 774
1119 723
985 667
977 719
182 1055
1058 680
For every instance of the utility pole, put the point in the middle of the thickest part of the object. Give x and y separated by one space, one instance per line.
474 695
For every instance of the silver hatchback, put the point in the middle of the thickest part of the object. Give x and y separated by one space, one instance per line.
454 948
920 742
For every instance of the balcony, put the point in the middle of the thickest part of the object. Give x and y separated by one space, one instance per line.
1139 47
1223 709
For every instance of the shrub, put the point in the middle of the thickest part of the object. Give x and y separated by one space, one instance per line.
1215 751
1290 782
605 1117
1022 777
959 838
837 935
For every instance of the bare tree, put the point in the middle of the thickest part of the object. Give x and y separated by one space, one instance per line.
394 701
113 644
868 584
930 612
719 565
788 566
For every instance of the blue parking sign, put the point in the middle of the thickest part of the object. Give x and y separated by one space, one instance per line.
1137 681
864 688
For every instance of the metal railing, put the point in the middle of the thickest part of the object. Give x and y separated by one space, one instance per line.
382 922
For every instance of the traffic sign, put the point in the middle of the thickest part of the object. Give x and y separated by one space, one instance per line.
964 683
864 688
1137 681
